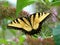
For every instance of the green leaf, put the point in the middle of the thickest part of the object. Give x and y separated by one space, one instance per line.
5 4
56 30
4 23
50 0
55 0
46 0
21 4
3 41
56 34
57 39
13 43
21 39
56 3
13 32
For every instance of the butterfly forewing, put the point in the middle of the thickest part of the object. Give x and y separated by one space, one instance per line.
36 22
32 20
21 24
26 21
28 26
43 16
15 25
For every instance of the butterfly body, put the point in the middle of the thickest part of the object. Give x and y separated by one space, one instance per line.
29 25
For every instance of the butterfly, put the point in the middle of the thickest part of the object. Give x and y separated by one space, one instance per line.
29 25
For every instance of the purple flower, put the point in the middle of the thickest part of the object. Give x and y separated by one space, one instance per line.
54 18
40 38
15 39
54 11
54 14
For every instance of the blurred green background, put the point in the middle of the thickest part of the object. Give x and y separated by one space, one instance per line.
8 10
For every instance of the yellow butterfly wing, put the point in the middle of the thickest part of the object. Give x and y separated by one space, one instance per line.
21 24
43 16
37 20
29 25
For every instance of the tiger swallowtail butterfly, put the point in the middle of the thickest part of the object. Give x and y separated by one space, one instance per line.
30 25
